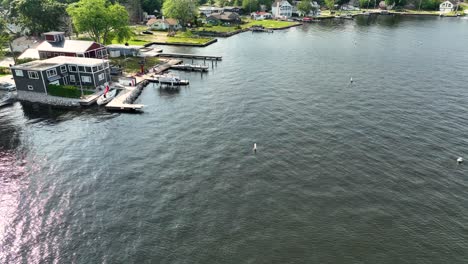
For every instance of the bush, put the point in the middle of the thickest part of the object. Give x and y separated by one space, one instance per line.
68 91
4 70
21 61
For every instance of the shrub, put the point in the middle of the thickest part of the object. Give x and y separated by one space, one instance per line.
68 91
5 70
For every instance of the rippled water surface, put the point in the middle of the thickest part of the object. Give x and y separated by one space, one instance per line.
344 173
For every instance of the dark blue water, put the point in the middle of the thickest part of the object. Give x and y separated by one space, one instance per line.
344 173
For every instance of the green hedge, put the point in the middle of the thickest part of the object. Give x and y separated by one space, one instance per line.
4 70
68 91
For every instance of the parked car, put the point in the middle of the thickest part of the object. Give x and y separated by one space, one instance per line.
5 86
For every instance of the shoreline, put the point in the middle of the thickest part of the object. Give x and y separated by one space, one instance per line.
181 44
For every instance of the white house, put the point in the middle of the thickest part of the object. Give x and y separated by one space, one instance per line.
281 8
314 12
163 24
261 15
446 7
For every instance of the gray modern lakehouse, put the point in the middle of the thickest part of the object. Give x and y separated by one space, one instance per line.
35 76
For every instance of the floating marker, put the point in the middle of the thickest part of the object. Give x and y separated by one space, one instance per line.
255 147
459 160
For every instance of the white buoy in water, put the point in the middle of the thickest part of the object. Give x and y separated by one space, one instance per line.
459 160
351 80
255 147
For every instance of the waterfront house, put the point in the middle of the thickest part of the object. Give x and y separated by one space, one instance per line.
170 24
225 18
261 15
117 50
446 7
35 76
281 9
234 9
315 11
55 45
209 10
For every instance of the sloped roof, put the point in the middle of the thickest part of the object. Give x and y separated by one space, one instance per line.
169 21
226 16
67 45
30 53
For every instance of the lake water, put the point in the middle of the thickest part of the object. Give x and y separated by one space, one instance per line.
344 173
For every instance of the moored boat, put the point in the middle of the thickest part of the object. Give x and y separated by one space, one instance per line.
107 96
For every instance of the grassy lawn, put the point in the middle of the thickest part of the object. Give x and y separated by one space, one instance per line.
425 12
162 37
270 24
132 64
218 28
133 41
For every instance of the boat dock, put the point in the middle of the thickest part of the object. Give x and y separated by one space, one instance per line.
123 101
89 99
190 56
190 67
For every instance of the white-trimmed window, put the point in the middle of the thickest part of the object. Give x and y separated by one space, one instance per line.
33 75
86 79
72 68
101 76
19 73
72 78
30 88
51 73
63 69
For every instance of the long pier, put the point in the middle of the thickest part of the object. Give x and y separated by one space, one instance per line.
123 101
190 67
190 56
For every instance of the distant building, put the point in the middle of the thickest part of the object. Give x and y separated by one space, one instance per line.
314 12
281 9
117 50
35 76
226 18
55 45
209 10
261 15
446 7
234 9
170 24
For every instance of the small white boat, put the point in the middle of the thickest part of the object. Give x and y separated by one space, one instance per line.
172 80
106 97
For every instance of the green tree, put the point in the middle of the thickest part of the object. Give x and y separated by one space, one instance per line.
250 5
37 16
183 10
150 5
330 4
304 7
102 20
5 36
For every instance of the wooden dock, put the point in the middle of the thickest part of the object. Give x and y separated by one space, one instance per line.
190 56
123 101
190 67
89 99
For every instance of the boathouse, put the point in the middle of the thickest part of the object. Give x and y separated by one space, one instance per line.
55 44
446 7
35 76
